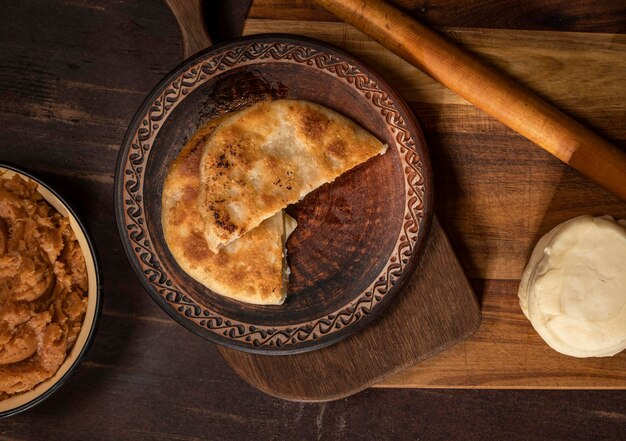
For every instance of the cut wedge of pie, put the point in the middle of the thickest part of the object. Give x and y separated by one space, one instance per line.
270 155
225 194
252 269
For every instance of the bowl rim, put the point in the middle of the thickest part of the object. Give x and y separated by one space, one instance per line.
428 197
98 293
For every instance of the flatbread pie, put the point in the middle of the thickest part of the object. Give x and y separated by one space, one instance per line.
252 269
270 155
224 195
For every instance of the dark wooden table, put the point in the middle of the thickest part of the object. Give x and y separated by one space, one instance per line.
72 74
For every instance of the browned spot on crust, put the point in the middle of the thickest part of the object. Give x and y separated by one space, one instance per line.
267 199
222 162
314 124
273 163
189 161
222 220
223 259
190 194
337 148
177 216
196 248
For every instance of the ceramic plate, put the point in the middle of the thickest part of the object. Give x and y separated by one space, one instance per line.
358 239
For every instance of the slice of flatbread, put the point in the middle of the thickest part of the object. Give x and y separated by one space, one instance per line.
252 269
271 155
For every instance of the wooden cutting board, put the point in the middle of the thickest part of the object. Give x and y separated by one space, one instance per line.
497 193
435 310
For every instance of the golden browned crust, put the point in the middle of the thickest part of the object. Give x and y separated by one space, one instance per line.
249 269
269 156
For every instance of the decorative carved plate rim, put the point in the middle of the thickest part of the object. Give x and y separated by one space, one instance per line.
137 241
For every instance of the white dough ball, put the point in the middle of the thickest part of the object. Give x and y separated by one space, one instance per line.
573 290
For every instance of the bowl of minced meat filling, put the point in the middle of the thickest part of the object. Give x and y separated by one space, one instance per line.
49 291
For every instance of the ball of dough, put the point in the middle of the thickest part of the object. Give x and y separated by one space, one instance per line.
573 290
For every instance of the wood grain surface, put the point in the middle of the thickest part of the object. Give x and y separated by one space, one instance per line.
488 89
553 15
495 192
436 309
190 20
72 74
496 189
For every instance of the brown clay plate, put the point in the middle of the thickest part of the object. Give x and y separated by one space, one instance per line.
358 239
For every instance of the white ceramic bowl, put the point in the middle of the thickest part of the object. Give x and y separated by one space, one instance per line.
20 402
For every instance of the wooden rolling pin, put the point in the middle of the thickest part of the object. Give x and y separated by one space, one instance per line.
488 89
